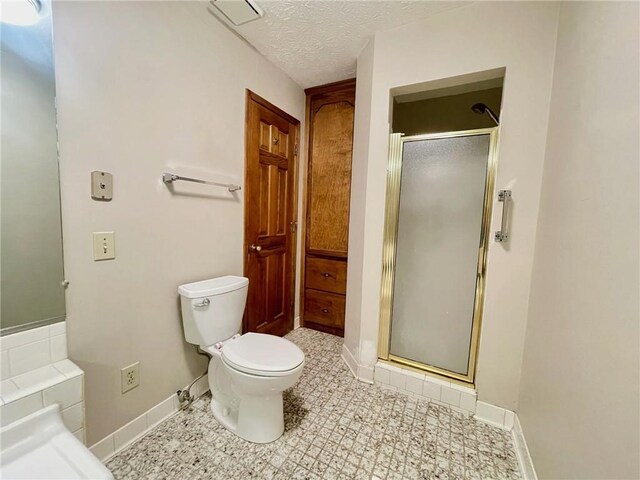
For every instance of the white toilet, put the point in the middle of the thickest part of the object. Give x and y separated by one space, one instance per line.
247 373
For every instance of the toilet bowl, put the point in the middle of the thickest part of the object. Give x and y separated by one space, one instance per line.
247 384
247 373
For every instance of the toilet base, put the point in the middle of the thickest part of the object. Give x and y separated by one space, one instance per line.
255 419
253 410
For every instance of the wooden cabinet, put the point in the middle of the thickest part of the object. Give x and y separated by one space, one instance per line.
327 275
330 111
324 308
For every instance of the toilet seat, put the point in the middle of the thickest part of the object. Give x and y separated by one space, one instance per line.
262 355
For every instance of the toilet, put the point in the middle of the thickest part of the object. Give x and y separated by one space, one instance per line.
247 373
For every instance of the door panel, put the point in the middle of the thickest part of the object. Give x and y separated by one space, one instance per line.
283 144
330 179
439 232
269 213
265 136
276 307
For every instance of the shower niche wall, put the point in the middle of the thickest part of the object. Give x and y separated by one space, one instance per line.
440 190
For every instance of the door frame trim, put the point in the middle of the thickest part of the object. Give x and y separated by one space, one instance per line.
305 200
251 96
270 106
392 211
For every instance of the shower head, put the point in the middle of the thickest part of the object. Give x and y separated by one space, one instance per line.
481 108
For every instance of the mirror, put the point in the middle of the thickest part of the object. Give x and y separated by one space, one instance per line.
31 268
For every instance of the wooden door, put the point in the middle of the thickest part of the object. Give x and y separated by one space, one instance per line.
269 218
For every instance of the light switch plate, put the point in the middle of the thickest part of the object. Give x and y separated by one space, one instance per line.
101 185
104 246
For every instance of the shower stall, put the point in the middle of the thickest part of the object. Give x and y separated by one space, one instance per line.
438 212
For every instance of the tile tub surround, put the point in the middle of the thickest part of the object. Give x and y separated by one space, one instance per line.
61 382
32 349
336 427
36 373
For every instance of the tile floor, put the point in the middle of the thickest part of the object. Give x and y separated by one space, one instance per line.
336 428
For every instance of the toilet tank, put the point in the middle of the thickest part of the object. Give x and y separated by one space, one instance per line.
212 309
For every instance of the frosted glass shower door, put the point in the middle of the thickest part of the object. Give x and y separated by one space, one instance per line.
442 196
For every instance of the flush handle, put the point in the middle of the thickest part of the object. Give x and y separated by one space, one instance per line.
204 303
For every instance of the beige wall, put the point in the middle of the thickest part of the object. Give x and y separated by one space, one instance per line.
143 88
482 36
446 114
580 397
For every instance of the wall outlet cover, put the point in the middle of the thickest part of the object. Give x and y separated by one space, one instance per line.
130 377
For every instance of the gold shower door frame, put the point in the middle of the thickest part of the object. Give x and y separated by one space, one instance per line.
392 210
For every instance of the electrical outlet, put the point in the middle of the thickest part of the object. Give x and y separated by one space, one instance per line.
130 377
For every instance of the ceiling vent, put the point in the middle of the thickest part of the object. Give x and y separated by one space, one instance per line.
238 12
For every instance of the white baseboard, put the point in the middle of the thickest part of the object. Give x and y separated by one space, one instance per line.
350 360
496 416
136 428
522 452
508 420
365 374
296 322
361 372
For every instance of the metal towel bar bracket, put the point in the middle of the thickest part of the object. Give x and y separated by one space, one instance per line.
504 196
170 178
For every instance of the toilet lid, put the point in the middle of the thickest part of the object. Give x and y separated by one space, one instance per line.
261 354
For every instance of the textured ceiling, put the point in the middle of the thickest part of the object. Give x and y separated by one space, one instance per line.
317 41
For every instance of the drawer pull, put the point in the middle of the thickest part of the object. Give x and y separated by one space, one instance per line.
326 275
325 310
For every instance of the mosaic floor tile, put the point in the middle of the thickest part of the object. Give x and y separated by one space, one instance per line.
335 428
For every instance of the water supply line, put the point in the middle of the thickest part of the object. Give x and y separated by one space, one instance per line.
184 396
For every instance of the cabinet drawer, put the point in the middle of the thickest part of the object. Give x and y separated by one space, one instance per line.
326 275
324 308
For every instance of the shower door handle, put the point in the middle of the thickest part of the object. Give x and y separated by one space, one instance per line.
504 196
